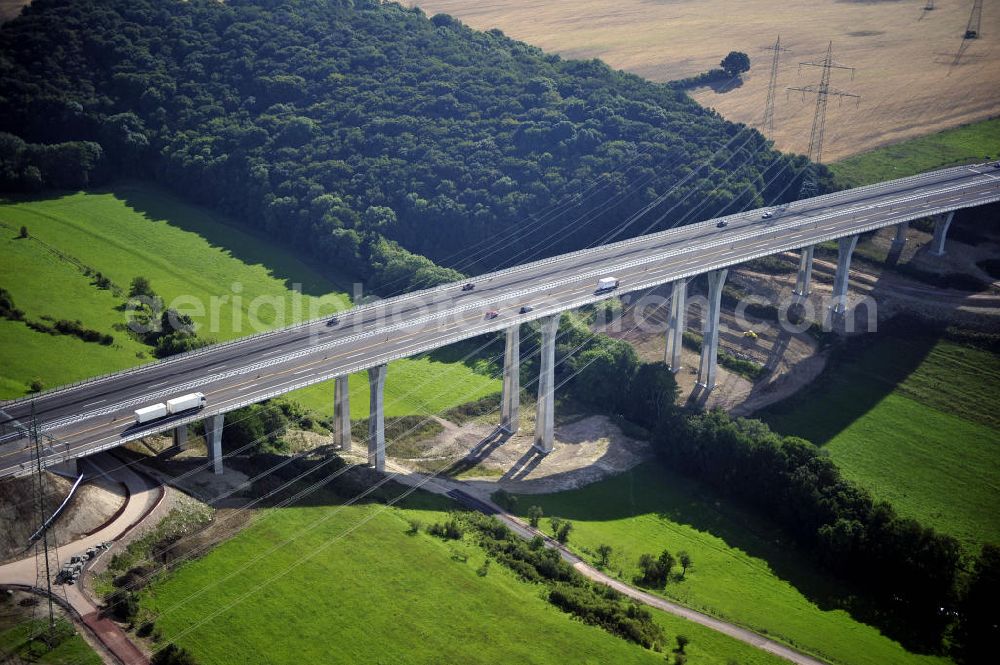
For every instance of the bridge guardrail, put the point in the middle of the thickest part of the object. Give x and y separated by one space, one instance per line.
56 458
385 303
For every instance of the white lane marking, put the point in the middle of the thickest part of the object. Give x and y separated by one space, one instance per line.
246 387
829 220
100 401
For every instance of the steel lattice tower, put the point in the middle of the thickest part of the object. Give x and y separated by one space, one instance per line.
44 570
767 125
975 18
822 92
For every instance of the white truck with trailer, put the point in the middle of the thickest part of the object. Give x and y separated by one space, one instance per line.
171 407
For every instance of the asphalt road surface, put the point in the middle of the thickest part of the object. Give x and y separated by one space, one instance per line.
96 415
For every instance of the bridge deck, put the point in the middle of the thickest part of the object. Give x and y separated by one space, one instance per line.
97 414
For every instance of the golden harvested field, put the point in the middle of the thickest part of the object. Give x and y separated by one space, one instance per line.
903 56
10 8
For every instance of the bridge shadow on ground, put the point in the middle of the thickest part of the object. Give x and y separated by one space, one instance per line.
865 368
859 374
478 453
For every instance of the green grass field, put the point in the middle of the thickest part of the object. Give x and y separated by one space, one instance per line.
190 255
914 421
953 146
364 591
17 646
742 569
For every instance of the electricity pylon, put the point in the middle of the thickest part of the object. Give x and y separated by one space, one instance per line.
767 126
822 92
975 18
42 570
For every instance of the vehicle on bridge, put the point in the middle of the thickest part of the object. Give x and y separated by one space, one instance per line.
607 284
169 408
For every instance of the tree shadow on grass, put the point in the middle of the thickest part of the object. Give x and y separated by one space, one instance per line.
241 241
653 489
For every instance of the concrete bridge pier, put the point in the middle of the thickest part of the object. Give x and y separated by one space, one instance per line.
900 238
710 342
545 416
180 437
845 249
69 468
342 413
942 223
804 278
376 418
510 406
213 441
675 326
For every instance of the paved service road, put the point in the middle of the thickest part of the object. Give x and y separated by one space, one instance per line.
142 496
96 415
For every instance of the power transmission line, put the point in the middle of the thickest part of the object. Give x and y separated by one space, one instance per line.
767 126
822 92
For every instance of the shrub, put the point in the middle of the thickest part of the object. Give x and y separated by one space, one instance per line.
450 530
173 655
122 605
7 308
562 535
505 500
628 621
535 515
655 572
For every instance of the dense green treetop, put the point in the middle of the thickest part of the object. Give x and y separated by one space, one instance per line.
333 124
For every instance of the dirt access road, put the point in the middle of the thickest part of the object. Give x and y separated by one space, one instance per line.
904 57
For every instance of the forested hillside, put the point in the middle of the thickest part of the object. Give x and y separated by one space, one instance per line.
335 124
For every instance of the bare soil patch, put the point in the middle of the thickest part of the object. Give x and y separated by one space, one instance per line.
587 449
94 503
906 71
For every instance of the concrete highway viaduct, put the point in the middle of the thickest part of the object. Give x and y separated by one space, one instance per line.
97 414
